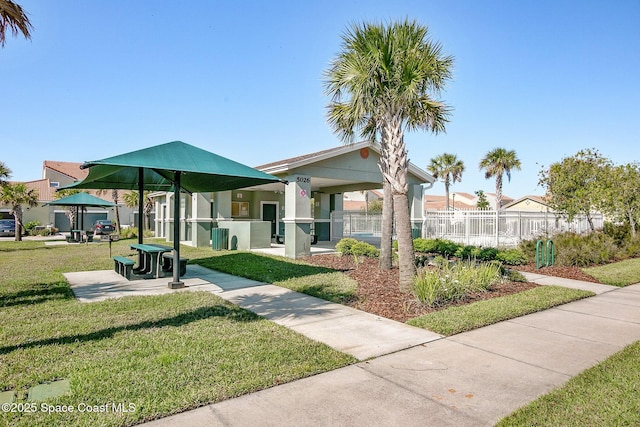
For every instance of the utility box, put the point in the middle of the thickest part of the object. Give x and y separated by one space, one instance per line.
219 239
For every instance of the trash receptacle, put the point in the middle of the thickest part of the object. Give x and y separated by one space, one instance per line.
416 233
219 239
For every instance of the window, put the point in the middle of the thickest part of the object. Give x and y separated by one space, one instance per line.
240 209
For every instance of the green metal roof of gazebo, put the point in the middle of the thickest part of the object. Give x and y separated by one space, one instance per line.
81 199
200 170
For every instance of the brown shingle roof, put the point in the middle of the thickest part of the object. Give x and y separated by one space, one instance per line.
71 169
43 187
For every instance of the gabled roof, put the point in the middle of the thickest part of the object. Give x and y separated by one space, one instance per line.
505 199
439 203
283 166
534 198
70 169
43 187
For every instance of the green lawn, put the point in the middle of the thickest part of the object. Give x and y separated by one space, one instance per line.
162 354
455 320
317 281
621 273
606 395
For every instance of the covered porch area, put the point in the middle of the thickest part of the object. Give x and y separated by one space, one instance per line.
297 214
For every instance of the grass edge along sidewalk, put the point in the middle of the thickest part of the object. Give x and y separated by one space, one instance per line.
605 395
163 354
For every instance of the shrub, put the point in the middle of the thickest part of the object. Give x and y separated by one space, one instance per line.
446 247
29 226
511 257
466 252
344 245
132 233
364 249
448 283
631 247
424 245
582 250
528 248
619 232
487 254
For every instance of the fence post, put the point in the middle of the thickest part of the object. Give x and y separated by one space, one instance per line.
497 227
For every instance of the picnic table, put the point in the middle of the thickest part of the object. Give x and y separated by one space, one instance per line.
79 236
149 259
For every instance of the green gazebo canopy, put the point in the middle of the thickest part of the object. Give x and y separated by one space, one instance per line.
81 199
200 170
171 167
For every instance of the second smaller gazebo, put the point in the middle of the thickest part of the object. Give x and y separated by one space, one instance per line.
81 200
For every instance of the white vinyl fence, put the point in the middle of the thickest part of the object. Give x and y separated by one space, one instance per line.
472 227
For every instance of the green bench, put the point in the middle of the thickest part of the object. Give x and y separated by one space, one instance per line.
123 266
167 264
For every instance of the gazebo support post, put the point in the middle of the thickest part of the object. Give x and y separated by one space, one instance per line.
140 213
176 233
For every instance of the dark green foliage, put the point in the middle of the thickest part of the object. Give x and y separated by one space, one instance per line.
442 247
447 248
511 257
466 252
487 254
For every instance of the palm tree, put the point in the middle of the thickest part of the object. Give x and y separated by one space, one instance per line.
384 82
5 173
449 169
498 162
115 195
16 195
131 201
13 18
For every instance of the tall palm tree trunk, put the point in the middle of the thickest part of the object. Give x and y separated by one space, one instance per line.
446 193
498 192
115 195
398 162
17 215
405 240
386 251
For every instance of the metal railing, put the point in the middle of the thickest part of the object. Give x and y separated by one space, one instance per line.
469 227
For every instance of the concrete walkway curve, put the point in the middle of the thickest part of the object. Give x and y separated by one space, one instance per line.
409 376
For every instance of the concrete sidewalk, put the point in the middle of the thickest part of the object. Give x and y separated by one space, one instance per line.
470 379
343 328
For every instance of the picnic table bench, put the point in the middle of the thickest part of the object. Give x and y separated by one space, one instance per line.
153 262
123 266
167 264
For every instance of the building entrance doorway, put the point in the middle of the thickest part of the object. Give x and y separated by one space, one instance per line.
269 212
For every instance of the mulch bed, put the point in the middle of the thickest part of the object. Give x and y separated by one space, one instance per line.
379 292
560 271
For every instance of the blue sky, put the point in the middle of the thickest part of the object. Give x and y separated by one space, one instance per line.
245 80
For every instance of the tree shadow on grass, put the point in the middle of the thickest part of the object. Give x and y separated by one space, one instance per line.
260 267
37 295
232 313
